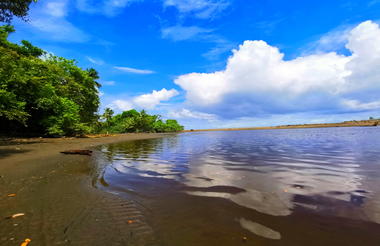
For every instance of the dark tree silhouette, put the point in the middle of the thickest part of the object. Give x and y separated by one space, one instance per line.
11 8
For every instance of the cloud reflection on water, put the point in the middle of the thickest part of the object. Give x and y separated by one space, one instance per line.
318 169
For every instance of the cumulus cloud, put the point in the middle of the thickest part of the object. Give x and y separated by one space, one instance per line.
202 9
150 101
122 105
187 114
134 70
145 101
258 80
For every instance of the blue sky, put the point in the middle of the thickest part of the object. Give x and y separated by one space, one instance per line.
293 61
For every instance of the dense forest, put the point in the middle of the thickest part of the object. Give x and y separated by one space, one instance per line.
42 94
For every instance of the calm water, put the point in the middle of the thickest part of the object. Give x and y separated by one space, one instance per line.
274 187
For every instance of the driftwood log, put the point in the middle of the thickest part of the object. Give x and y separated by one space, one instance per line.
77 152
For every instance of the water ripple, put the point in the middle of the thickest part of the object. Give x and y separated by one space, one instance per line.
274 172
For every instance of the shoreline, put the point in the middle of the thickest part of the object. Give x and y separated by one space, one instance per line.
21 149
57 196
361 123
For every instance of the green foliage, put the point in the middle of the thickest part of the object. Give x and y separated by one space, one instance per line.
41 94
134 121
107 115
49 95
173 126
10 8
26 48
11 108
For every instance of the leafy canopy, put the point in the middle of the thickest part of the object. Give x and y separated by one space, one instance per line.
42 93
10 8
134 121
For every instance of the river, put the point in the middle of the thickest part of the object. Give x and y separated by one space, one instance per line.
269 187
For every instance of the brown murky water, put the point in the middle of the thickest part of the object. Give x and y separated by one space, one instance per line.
273 187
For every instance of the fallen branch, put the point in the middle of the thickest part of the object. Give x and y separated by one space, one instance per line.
77 152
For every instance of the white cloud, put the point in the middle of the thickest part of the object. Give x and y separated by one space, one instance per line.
145 101
56 8
221 47
150 101
58 29
105 7
110 83
357 105
122 105
257 79
180 33
134 70
95 61
186 114
87 6
202 9
48 22
331 41
100 93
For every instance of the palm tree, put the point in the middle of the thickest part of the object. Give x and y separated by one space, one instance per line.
107 115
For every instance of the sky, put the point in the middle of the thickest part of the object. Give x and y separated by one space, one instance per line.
221 63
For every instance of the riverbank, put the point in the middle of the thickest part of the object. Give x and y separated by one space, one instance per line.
354 123
54 192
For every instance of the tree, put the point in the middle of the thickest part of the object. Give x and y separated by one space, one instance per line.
49 96
145 122
107 115
173 126
10 8
134 121
26 48
42 94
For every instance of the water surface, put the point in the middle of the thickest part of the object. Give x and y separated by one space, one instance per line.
268 187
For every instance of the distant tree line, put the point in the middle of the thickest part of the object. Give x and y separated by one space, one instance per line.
42 94
134 121
373 118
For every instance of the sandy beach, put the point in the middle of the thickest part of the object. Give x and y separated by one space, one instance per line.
55 196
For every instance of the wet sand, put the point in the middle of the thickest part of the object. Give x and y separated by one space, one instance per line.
55 193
